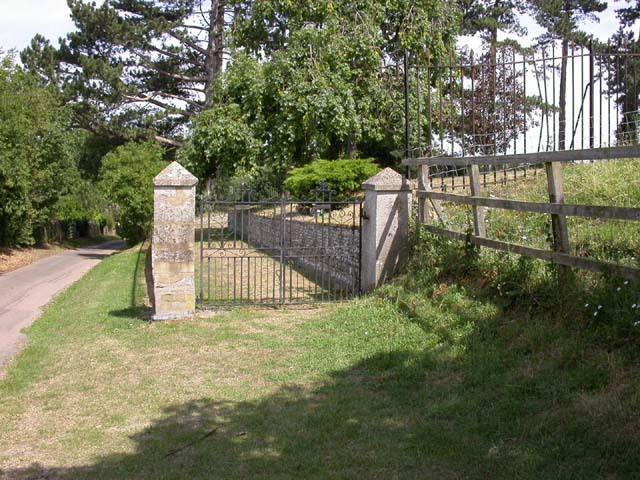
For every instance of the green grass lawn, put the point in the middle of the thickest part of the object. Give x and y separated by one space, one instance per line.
420 380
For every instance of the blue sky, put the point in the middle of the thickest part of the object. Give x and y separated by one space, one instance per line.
20 20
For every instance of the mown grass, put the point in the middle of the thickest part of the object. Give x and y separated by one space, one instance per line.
459 369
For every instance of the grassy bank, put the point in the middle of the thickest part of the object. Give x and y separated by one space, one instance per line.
613 183
442 374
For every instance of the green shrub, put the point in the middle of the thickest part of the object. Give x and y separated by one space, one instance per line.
126 178
344 177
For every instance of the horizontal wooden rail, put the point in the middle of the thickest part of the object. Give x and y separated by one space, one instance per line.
588 211
630 273
607 153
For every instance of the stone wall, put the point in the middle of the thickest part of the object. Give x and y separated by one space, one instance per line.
327 254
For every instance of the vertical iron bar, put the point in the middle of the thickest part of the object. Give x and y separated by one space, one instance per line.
441 110
407 121
361 211
202 247
503 100
582 87
546 96
283 246
573 94
553 86
600 116
273 262
291 252
451 108
524 98
315 216
514 80
618 80
473 109
429 122
634 61
462 108
419 113
591 96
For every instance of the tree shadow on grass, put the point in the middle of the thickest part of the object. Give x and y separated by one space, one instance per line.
352 426
384 417
140 312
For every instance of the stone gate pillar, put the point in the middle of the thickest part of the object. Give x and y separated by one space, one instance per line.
385 226
173 244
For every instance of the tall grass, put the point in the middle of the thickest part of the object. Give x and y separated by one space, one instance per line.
613 183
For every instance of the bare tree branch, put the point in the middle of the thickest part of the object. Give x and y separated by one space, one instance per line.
168 141
187 42
158 103
198 27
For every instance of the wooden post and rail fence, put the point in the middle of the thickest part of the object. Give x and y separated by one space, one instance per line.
559 211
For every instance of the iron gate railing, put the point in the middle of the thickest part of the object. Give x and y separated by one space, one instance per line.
278 251
521 104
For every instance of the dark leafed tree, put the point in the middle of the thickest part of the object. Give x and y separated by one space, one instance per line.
136 68
561 20
317 79
485 18
494 100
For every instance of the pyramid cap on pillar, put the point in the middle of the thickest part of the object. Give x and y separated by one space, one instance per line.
175 175
388 180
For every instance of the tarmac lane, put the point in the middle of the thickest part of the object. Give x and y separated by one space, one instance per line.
26 291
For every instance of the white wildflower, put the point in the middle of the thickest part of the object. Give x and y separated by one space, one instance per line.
626 282
595 314
599 307
586 305
618 289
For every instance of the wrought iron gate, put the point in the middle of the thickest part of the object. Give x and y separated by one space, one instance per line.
278 251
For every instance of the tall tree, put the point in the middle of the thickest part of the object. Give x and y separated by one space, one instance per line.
37 164
136 68
487 17
561 20
313 80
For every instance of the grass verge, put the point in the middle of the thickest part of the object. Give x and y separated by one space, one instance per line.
434 376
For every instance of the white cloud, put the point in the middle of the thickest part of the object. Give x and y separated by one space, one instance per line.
20 20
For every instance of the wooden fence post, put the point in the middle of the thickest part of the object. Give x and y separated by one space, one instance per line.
424 185
556 195
479 227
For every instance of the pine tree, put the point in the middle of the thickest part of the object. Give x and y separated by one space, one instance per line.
136 68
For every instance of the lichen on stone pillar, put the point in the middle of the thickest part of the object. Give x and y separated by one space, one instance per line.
385 227
173 243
